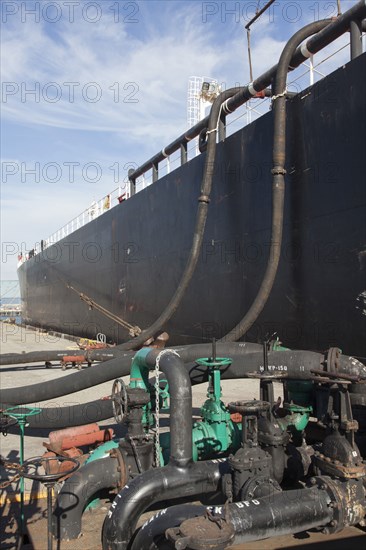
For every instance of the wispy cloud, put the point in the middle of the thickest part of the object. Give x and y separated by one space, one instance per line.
138 71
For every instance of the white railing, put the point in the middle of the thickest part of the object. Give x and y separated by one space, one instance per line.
96 209
306 75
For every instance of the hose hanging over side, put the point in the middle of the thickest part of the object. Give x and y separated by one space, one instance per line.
278 182
203 202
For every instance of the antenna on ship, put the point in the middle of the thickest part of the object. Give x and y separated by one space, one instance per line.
202 92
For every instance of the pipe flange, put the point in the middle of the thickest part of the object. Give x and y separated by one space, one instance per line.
336 502
332 359
121 468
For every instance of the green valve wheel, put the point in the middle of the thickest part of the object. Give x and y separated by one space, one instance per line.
218 362
21 413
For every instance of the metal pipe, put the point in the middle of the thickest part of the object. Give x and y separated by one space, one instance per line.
77 491
181 477
154 486
180 390
329 503
259 13
315 44
322 39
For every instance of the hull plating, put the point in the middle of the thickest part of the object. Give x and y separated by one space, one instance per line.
130 259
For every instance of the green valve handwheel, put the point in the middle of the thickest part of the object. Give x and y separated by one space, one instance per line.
22 412
217 362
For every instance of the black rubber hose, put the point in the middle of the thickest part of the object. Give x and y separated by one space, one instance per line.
298 368
98 374
242 95
85 378
278 181
77 491
154 486
155 527
203 202
93 355
297 365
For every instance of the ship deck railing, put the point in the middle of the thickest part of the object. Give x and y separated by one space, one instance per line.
307 74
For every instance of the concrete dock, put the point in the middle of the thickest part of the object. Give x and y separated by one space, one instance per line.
17 339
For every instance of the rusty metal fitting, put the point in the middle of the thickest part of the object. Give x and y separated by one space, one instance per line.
121 468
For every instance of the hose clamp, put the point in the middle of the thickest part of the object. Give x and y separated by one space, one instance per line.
225 107
304 50
278 171
251 89
204 198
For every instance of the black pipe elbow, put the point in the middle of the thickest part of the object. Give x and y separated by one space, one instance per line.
154 486
77 492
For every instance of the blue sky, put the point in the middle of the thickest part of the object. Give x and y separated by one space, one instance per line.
109 81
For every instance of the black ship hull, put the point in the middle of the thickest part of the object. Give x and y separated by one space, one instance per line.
131 258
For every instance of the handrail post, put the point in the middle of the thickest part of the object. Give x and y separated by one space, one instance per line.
132 182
